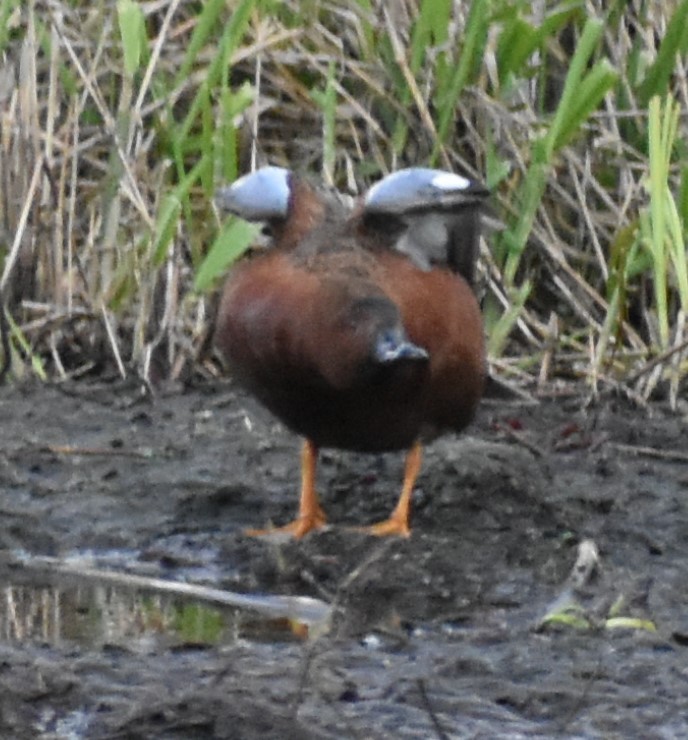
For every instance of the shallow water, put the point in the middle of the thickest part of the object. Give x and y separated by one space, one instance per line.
94 616
71 604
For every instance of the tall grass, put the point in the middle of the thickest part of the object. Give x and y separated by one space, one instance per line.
120 119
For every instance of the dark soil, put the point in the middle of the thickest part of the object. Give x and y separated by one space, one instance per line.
433 636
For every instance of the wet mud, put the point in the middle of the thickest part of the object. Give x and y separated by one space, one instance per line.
440 635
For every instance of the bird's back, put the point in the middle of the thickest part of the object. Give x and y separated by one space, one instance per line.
298 329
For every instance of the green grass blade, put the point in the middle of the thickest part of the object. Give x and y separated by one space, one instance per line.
327 102
500 331
591 91
662 126
675 42
18 336
168 215
562 128
678 248
217 69
470 57
206 28
514 240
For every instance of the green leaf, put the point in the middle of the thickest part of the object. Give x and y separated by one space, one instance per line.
19 337
232 103
132 31
232 241
206 28
9 11
165 225
591 92
497 169
519 39
517 42
683 195
430 29
630 623
198 623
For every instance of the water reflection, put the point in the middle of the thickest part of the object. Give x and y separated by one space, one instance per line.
95 615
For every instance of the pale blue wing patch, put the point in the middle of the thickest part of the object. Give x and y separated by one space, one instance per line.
416 186
262 195
439 215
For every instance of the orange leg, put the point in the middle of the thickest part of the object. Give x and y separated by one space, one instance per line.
398 522
311 516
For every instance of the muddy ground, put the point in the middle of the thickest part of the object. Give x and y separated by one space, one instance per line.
434 636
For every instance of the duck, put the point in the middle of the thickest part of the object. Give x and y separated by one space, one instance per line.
358 326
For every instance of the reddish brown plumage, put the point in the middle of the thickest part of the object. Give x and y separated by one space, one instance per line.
441 314
302 326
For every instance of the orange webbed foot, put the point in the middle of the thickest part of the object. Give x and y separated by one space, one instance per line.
311 516
393 526
398 522
299 528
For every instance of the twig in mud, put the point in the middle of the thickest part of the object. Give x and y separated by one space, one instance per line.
427 704
587 561
113 342
299 608
325 625
298 699
4 342
519 439
565 606
98 451
657 360
607 610
13 255
675 455
582 699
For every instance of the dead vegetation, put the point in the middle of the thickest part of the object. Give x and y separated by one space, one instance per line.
119 120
